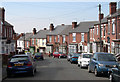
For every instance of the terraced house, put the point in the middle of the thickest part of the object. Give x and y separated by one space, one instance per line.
79 36
38 41
110 32
58 38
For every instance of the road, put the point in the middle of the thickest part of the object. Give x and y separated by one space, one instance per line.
58 69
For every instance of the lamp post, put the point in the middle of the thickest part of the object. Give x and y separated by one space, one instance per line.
24 42
100 27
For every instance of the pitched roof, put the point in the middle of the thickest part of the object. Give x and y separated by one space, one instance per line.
67 29
83 26
57 30
116 13
27 36
41 34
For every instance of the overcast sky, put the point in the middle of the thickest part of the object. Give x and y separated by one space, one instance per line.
26 15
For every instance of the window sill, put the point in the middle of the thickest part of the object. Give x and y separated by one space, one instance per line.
73 41
113 33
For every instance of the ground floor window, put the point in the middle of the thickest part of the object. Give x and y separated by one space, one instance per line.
72 48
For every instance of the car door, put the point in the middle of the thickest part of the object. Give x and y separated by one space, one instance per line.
93 62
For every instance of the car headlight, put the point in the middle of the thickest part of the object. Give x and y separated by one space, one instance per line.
114 65
100 65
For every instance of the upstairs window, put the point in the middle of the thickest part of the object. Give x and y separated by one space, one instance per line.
55 39
108 26
97 30
27 44
50 38
113 26
82 37
43 42
58 38
63 38
104 31
74 37
32 41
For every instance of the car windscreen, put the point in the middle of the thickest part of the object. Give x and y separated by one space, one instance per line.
106 57
38 54
87 55
19 59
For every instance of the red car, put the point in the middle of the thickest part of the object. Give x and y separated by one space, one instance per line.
59 55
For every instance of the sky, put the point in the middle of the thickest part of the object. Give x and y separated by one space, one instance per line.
25 16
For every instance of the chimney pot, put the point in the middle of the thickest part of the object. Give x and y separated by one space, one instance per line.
74 24
62 24
112 7
34 31
51 27
45 28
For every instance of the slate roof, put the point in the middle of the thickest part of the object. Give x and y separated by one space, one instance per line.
57 30
27 36
83 26
7 24
41 34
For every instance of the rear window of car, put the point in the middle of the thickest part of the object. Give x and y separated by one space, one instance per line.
56 53
38 54
76 54
19 59
87 55
60 53
106 57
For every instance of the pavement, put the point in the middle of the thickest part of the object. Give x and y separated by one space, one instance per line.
58 69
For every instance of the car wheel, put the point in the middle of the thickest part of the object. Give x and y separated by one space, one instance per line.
8 75
78 65
111 78
96 72
33 72
89 69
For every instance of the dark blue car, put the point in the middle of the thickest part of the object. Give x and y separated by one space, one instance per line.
39 56
21 64
101 63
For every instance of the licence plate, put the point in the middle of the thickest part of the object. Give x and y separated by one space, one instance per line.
18 65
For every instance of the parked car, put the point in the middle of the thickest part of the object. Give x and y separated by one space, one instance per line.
59 55
38 56
69 56
118 56
28 53
74 58
114 74
101 63
21 64
84 59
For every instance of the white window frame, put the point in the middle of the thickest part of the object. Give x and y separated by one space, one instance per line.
54 38
74 37
108 26
82 37
58 38
63 38
32 41
27 43
113 26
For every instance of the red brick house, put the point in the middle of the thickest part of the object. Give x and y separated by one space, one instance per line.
109 32
57 38
78 36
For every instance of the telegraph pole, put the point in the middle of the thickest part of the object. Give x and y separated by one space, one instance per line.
100 27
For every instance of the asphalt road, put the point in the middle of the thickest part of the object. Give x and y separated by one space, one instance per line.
58 69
